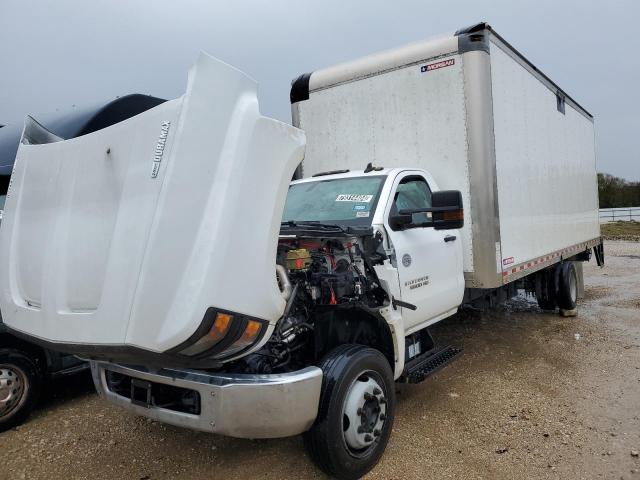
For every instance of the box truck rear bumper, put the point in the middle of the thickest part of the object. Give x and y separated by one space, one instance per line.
237 405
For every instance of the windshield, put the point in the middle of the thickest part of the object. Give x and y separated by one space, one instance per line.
342 201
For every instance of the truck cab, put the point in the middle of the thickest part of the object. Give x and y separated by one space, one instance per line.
418 258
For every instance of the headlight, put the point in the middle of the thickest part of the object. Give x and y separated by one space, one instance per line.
223 334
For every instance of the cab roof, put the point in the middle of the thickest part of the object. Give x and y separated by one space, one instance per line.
349 174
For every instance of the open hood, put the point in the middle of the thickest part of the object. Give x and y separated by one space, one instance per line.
120 240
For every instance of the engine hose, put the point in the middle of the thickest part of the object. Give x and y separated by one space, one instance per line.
285 284
292 297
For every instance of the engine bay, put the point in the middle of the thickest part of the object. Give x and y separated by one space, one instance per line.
324 277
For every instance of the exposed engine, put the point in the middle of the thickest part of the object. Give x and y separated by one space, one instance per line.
329 271
322 274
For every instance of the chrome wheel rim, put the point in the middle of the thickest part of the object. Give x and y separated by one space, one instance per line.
13 389
364 413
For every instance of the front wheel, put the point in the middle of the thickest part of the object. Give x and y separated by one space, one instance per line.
20 384
356 412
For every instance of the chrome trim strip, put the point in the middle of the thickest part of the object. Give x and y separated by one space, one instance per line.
515 272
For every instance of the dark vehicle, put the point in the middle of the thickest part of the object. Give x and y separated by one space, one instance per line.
25 368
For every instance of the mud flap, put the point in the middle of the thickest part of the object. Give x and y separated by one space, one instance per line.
598 251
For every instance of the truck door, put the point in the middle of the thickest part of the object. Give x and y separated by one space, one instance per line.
429 261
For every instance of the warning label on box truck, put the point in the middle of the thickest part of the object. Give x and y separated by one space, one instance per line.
437 65
507 261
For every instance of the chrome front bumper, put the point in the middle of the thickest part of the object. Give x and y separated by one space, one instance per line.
245 406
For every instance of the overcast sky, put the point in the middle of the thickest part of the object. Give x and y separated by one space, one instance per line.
54 54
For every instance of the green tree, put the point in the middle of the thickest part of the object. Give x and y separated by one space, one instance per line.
616 192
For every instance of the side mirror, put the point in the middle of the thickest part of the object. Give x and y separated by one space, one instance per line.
398 221
448 213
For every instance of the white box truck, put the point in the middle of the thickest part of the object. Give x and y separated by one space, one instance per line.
210 293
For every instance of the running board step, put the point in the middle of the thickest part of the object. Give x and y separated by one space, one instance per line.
426 367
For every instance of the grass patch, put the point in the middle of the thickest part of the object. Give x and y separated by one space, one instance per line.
621 231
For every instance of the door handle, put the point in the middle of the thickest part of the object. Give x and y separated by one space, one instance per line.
450 238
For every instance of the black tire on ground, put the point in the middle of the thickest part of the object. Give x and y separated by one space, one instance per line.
20 386
567 286
349 369
546 304
546 289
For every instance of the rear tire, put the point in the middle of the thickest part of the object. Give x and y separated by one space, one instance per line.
356 412
546 289
568 286
20 385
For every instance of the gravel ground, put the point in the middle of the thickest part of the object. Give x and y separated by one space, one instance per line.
534 396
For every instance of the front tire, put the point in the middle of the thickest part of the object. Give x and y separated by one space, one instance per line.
356 412
20 386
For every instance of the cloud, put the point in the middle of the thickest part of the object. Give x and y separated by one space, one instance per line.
56 54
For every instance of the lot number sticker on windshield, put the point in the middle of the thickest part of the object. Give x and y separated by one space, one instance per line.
353 197
362 214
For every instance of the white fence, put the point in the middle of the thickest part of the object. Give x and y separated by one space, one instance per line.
619 214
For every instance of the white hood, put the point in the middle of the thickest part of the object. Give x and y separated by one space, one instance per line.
125 236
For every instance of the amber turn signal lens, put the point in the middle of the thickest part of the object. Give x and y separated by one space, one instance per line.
220 327
249 336
242 332
251 332
217 332
455 215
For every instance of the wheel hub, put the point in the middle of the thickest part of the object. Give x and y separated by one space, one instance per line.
12 388
364 412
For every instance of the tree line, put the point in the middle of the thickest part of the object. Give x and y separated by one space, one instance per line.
616 192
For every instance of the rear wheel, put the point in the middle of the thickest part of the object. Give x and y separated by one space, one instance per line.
546 289
20 385
568 286
356 412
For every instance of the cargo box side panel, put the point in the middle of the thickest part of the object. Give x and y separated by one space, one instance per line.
545 165
412 116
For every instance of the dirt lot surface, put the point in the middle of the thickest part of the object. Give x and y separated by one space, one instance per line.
534 396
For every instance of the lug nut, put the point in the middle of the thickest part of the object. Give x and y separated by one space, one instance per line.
376 433
361 429
377 391
368 438
367 396
359 412
382 416
383 401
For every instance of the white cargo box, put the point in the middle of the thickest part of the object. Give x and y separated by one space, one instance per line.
478 116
